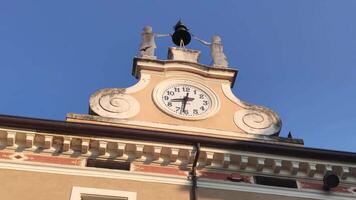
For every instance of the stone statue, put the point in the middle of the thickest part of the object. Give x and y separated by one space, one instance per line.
216 50
148 45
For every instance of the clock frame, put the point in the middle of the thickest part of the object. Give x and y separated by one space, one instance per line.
208 97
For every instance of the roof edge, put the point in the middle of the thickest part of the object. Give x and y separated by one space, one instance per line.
84 129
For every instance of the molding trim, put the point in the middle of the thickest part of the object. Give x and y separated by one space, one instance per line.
176 65
93 172
79 192
91 119
261 189
175 155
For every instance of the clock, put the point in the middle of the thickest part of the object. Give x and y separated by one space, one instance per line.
185 99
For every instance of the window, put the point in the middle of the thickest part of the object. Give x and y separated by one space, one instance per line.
83 193
108 164
279 182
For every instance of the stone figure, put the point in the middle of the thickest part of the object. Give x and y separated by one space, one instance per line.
216 51
148 45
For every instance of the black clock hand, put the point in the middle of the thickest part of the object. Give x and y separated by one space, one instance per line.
190 99
176 100
184 103
182 107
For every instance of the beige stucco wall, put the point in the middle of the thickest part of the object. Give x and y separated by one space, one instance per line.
222 120
25 185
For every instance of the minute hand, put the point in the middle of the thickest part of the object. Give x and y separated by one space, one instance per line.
185 100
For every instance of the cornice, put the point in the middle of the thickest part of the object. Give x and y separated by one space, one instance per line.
178 65
175 155
64 128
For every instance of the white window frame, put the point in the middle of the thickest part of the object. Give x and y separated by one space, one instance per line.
79 192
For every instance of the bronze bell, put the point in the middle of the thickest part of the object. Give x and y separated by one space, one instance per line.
181 35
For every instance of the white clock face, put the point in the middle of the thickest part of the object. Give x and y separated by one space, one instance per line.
186 100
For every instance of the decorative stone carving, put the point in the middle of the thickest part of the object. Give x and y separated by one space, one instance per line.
252 118
148 45
257 120
115 103
162 154
216 51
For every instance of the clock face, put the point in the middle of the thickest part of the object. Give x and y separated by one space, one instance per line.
185 99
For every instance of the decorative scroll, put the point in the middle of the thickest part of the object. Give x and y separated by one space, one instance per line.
257 121
252 118
114 103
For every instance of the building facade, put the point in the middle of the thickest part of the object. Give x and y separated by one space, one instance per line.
179 133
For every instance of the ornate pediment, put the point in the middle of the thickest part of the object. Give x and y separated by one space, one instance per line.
183 96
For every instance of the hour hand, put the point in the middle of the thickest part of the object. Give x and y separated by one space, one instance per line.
176 100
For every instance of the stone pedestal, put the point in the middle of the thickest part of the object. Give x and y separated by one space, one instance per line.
175 53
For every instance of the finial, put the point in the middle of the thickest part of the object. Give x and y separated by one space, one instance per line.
181 36
290 135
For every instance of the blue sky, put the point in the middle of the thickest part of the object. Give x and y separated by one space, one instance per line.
297 57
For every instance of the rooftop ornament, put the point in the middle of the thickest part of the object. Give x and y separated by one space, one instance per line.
182 37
